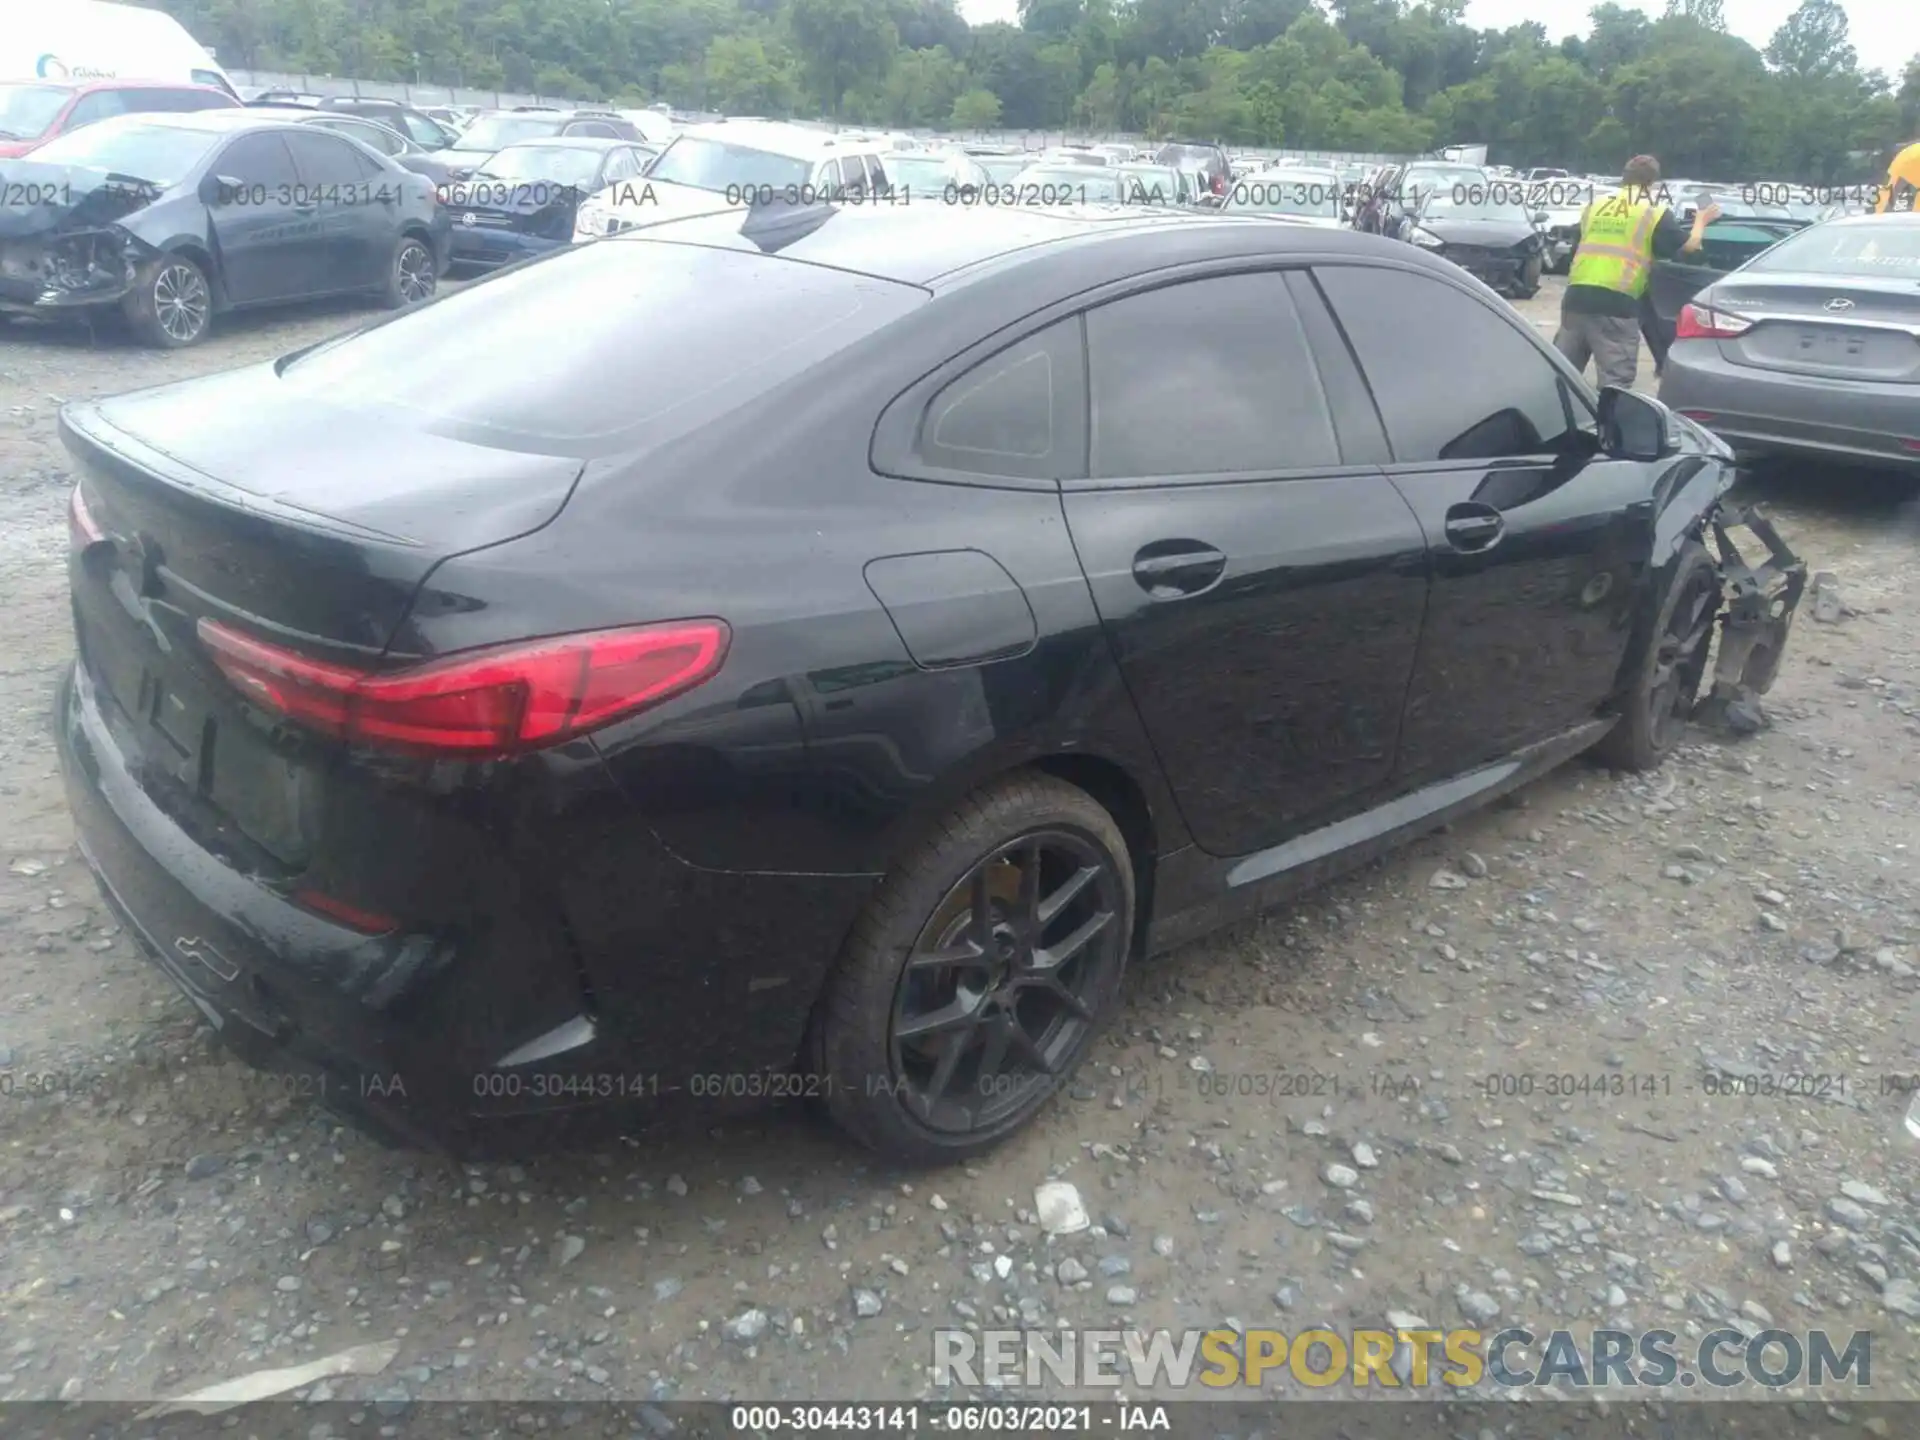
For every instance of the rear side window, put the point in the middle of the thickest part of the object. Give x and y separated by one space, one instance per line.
661 340
1207 377
324 159
1009 414
1453 379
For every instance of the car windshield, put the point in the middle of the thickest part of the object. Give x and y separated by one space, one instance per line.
158 154
716 164
919 172
555 164
1001 168
1287 192
1069 185
1875 247
496 132
27 110
1151 184
1470 196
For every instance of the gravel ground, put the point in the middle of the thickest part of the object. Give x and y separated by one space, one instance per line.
1748 915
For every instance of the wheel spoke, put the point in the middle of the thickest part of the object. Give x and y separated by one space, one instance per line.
1029 902
993 1056
1076 1007
981 901
967 952
1066 892
1053 957
1027 1045
955 1046
960 1013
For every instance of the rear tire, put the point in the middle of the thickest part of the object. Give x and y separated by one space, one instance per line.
413 277
979 973
1659 697
171 304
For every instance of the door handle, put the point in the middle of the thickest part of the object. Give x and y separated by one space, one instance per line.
1167 569
1473 527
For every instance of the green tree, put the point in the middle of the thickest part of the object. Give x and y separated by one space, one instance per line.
1813 42
976 110
842 43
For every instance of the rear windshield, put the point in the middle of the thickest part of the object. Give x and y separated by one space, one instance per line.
555 164
1875 247
496 132
602 349
717 165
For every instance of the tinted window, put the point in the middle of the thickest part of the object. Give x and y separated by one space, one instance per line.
378 136
597 128
257 160
1204 378
200 100
1453 378
661 341
853 175
323 159
423 131
877 181
89 109
1000 417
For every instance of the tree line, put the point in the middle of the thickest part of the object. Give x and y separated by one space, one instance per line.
1381 75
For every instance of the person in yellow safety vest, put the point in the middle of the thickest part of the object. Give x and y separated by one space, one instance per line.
1903 183
1620 238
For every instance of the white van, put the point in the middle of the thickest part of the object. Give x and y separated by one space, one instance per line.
83 40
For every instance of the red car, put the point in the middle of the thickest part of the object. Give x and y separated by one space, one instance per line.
34 111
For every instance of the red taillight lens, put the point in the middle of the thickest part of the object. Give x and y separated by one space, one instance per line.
1698 322
496 701
82 528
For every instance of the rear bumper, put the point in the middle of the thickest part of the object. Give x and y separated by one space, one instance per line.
1763 411
354 1014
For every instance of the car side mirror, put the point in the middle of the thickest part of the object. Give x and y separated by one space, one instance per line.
220 189
1635 426
1540 217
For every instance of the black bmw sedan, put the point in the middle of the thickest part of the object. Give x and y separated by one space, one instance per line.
823 673
172 219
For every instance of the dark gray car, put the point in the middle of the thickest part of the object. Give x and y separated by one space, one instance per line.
1811 347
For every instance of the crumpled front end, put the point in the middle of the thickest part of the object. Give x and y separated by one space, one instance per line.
1760 597
68 269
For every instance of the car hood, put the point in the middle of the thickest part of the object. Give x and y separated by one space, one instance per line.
46 199
1491 233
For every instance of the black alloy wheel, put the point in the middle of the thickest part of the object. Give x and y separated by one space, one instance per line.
1680 656
1659 697
979 973
1004 980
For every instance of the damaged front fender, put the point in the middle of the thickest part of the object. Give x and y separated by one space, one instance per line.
1759 602
62 243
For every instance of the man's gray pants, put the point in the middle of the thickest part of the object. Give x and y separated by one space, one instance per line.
1612 342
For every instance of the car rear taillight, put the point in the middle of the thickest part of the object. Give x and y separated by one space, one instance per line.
1700 322
82 528
497 701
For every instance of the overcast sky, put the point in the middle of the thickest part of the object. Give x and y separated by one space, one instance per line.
1885 32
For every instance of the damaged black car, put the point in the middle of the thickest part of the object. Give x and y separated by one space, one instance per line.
171 220
1484 227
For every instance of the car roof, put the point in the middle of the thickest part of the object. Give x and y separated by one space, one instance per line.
1892 217
570 142
218 121
930 245
777 137
88 87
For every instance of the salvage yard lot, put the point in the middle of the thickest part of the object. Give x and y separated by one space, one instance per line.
1613 1047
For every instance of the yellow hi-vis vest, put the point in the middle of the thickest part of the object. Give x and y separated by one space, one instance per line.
1616 244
